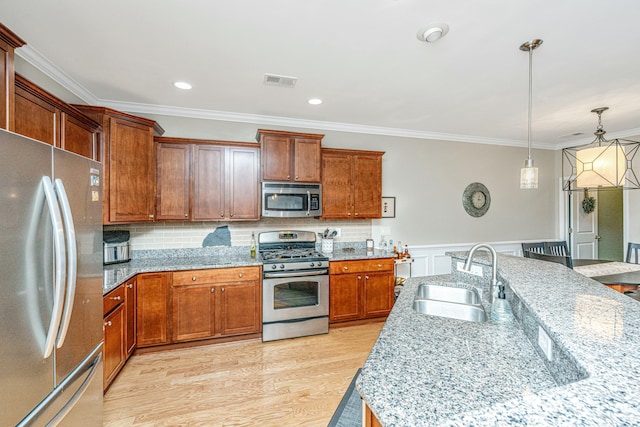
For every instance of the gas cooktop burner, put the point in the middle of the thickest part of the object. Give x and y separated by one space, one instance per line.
286 254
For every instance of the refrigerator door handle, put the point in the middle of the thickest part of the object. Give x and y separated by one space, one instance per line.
60 265
72 260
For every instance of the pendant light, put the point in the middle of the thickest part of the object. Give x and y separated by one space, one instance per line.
602 163
529 173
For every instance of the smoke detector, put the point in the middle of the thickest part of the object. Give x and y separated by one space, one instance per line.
282 81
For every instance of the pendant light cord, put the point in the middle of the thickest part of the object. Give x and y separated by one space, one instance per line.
530 92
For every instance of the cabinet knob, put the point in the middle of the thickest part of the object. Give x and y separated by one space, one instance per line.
349 214
288 176
356 213
345 268
379 265
366 277
150 216
221 214
186 215
194 278
231 215
213 290
107 323
222 289
130 285
296 176
116 298
239 274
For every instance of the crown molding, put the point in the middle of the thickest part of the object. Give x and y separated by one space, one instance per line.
51 70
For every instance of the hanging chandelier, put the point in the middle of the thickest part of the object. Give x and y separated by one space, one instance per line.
529 173
602 163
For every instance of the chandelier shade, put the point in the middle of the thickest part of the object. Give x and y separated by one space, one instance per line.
600 164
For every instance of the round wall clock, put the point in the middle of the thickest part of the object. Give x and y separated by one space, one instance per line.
476 199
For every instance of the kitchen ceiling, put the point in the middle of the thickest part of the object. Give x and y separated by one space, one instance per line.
361 57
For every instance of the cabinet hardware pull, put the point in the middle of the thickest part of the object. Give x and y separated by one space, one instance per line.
222 289
239 274
221 215
359 277
349 214
288 176
130 285
231 215
116 298
194 278
345 268
150 216
296 176
213 290
356 213
366 277
379 265
186 215
107 323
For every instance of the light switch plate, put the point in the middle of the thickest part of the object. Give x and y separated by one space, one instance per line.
545 343
476 270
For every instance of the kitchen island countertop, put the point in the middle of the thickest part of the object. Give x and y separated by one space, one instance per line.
427 370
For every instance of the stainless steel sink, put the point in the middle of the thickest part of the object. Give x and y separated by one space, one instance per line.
453 310
447 293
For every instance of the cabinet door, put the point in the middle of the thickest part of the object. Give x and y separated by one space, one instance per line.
193 312
208 183
377 294
344 297
114 352
240 305
130 317
336 186
172 182
306 162
243 183
276 158
78 137
152 314
367 186
36 118
132 172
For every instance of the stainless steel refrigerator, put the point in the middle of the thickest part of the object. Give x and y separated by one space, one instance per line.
50 285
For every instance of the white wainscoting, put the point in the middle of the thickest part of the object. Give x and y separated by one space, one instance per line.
431 260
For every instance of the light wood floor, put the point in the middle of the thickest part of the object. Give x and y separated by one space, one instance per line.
296 382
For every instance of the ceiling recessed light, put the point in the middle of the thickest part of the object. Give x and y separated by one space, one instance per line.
182 85
315 101
432 32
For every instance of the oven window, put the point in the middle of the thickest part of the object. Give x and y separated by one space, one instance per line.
295 294
285 202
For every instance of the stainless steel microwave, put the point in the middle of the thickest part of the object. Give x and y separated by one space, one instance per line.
288 200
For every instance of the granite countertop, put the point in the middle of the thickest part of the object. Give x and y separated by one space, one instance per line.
427 370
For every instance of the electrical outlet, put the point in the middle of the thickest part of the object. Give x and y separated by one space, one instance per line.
545 343
338 232
476 270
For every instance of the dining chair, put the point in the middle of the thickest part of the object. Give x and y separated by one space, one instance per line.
633 248
556 248
560 259
537 247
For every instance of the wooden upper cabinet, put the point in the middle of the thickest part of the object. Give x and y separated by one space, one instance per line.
42 116
351 184
9 42
290 156
129 191
223 183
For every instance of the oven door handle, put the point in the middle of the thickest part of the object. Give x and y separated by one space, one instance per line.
276 275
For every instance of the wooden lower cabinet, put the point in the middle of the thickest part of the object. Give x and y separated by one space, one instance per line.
130 304
370 419
216 303
360 289
114 334
153 309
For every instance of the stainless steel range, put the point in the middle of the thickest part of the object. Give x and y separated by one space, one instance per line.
295 285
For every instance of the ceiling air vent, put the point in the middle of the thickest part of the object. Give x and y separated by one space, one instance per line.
276 80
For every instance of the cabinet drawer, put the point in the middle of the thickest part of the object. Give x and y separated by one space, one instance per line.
369 265
112 299
215 275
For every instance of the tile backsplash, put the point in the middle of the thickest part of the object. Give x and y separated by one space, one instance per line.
172 235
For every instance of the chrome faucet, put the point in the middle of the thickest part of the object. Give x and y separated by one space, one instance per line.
494 266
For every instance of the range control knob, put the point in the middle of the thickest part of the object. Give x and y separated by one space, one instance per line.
319 264
273 266
282 266
312 265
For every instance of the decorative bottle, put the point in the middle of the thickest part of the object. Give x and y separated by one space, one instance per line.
253 245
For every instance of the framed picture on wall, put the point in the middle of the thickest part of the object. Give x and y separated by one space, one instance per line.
388 207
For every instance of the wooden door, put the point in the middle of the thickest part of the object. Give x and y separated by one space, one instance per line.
276 158
130 302
377 294
132 172
344 297
78 137
240 305
114 352
34 117
367 186
306 161
172 181
152 314
193 312
208 183
337 199
243 183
